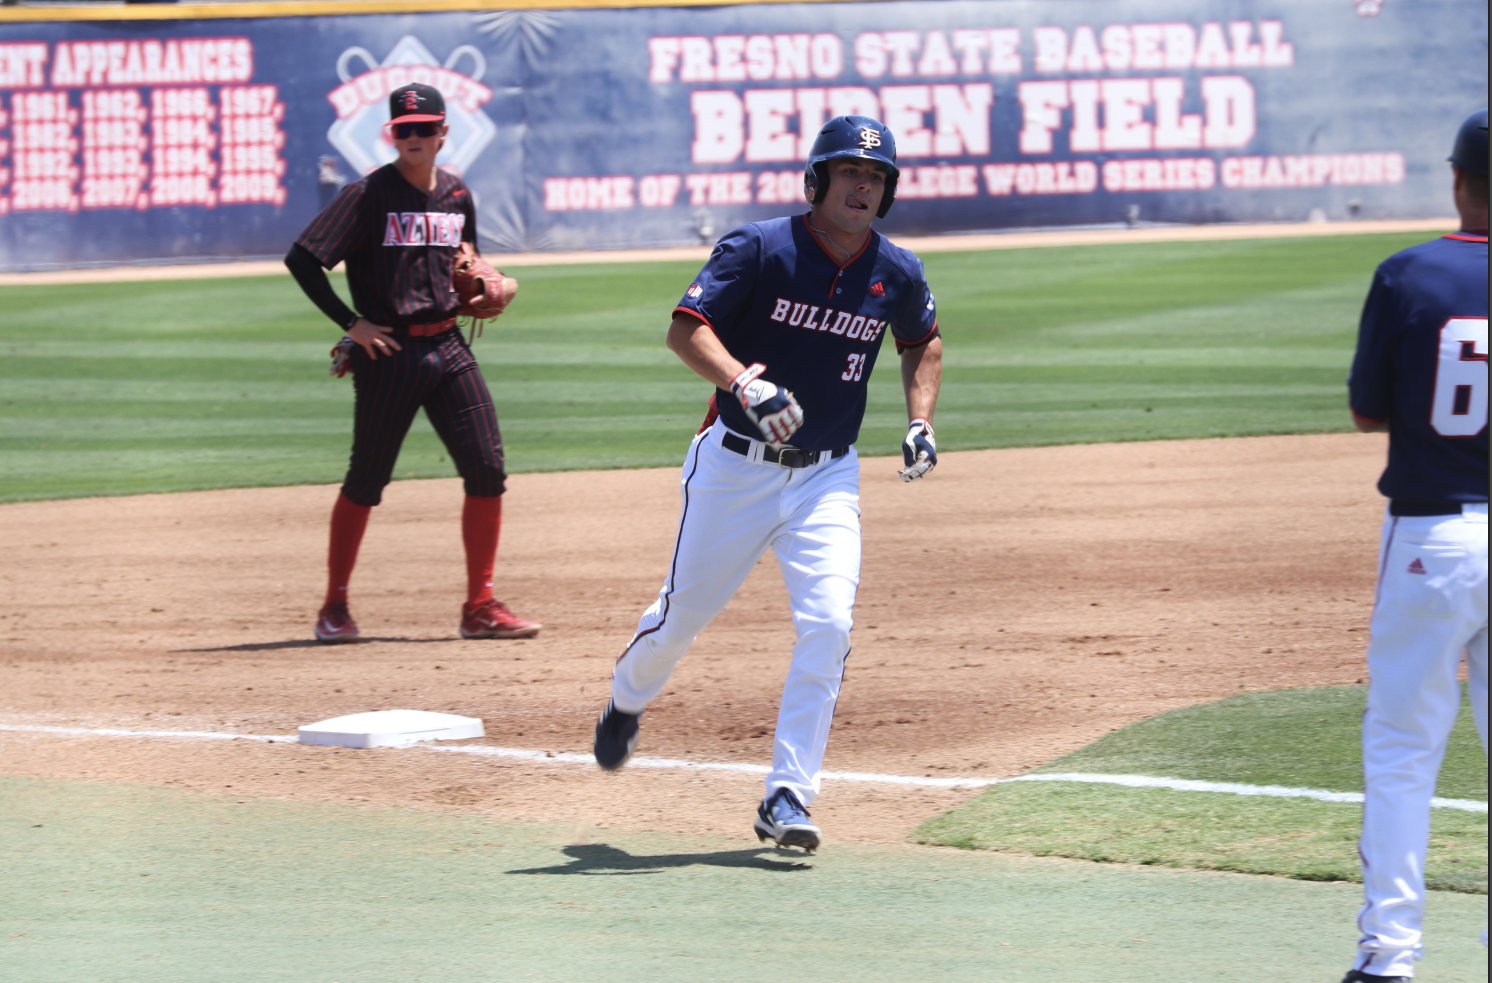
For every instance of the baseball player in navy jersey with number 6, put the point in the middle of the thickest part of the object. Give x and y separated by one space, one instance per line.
398 229
786 319
1421 374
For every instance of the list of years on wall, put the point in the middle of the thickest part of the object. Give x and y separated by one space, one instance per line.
141 148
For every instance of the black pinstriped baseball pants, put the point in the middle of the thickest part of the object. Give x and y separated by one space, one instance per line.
439 373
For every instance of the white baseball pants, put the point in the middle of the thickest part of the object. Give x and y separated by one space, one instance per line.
1432 605
734 507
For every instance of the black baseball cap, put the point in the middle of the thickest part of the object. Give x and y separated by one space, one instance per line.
416 103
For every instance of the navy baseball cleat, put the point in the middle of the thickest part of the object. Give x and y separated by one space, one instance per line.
616 737
781 817
1358 976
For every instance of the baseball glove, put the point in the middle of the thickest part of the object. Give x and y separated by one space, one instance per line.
483 291
342 357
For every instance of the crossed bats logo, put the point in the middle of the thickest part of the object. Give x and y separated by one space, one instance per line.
870 138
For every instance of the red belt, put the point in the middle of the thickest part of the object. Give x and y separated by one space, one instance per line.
434 327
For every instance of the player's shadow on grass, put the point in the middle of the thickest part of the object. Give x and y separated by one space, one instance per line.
304 643
609 860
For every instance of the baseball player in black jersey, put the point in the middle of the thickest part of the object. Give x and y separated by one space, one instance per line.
398 230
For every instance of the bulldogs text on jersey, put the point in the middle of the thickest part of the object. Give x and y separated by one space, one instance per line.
852 326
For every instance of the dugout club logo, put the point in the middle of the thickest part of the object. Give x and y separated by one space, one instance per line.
362 102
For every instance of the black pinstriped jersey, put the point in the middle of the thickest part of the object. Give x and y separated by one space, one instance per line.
398 242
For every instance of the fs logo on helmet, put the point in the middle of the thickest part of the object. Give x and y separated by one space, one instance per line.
870 138
411 100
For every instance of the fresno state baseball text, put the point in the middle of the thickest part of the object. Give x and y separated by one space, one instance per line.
424 229
1198 93
806 316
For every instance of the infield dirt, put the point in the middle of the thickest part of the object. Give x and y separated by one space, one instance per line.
1014 607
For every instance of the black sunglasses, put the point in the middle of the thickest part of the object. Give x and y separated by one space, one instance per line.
403 131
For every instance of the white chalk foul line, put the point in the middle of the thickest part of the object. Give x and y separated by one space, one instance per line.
566 758
200 735
1233 788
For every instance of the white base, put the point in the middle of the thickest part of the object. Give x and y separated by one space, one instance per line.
391 728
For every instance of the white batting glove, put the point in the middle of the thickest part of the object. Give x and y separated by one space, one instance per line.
773 409
919 451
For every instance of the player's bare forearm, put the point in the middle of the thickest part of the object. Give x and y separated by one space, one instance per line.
921 378
696 345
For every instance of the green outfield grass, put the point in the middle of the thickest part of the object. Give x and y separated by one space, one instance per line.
174 385
1300 738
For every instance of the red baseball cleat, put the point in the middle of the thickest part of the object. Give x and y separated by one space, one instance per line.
492 619
334 624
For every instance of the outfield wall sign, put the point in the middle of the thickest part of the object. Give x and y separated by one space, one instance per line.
609 128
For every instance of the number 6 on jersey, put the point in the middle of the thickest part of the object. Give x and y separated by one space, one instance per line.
1460 407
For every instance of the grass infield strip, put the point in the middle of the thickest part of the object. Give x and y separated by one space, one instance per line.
140 885
1292 738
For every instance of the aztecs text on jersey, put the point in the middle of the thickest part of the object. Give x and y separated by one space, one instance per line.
773 294
1421 364
423 229
399 242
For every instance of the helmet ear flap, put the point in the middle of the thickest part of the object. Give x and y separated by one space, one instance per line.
887 197
816 182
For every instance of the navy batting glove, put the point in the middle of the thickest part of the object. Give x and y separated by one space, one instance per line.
919 451
772 408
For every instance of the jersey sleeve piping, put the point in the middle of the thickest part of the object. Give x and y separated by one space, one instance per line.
921 341
696 315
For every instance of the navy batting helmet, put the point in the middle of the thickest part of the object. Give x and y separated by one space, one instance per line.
1471 144
851 136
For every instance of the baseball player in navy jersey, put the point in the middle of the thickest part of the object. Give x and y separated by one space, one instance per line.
398 230
786 319
1420 374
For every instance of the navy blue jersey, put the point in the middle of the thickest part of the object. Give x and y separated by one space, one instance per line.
1421 365
399 242
772 294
